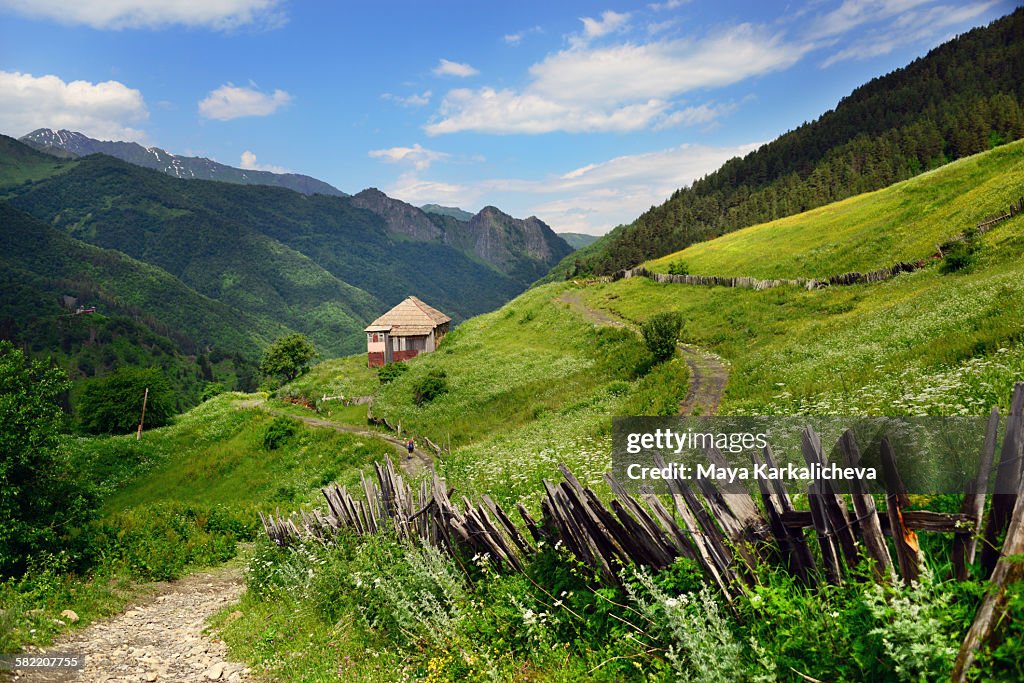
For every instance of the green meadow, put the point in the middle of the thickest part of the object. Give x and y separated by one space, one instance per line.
903 222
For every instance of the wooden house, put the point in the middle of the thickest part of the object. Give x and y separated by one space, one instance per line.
407 330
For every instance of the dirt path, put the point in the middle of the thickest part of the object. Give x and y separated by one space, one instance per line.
159 639
708 373
413 464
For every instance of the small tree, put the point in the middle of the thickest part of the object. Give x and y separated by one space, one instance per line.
288 357
40 498
661 332
113 404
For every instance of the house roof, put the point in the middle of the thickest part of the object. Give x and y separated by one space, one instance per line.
410 318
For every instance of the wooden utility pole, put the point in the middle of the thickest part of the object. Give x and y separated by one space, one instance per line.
145 397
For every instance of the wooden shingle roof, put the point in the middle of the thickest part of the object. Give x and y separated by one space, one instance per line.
410 318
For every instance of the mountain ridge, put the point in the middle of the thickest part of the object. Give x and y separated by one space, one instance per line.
72 144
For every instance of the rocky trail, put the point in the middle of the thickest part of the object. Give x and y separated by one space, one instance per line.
162 638
708 373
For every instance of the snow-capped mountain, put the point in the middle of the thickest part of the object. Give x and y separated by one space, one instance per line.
66 143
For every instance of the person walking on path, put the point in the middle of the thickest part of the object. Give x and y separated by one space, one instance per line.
411 446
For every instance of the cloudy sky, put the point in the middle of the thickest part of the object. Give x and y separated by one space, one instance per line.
583 114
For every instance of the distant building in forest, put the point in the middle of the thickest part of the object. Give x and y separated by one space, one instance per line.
407 330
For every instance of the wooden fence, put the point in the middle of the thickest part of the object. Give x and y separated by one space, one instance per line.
852 278
725 531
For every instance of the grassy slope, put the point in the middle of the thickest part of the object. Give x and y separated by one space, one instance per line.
21 165
214 454
903 222
922 343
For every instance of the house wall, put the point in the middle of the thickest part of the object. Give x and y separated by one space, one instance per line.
378 352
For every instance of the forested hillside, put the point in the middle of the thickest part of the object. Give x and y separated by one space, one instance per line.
198 277
962 98
316 264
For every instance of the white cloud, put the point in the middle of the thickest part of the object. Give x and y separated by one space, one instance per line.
656 27
449 68
107 110
516 38
854 13
418 157
597 197
668 5
412 189
592 198
692 116
909 28
231 102
623 87
122 14
610 22
248 162
505 111
413 100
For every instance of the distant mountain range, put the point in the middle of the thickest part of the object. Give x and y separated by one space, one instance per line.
452 211
198 277
69 144
578 240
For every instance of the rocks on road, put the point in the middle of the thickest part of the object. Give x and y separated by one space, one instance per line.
161 639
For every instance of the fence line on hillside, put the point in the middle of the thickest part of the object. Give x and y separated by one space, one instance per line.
725 532
844 279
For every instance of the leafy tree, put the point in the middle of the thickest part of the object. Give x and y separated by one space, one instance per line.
39 496
660 333
113 404
288 357
428 388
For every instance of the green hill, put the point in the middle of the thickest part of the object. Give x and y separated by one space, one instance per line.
962 98
903 222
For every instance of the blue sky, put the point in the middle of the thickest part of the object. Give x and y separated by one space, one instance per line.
583 114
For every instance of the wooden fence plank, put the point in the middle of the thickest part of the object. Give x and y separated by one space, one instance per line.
867 515
1007 477
993 605
964 545
833 507
905 540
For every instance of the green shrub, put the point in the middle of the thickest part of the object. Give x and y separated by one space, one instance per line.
661 332
428 388
278 432
390 372
678 268
961 255
161 541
